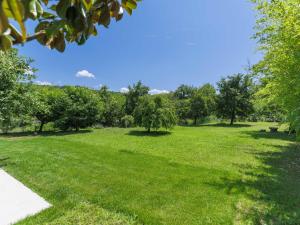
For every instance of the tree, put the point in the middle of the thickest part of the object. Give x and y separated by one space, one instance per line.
278 37
57 21
49 104
113 107
199 108
132 97
208 92
183 109
235 95
15 73
127 121
154 113
184 92
81 109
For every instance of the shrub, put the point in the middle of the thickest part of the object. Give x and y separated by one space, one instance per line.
127 121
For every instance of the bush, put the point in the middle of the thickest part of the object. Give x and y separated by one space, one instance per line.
127 121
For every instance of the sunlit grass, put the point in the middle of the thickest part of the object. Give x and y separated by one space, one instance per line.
212 174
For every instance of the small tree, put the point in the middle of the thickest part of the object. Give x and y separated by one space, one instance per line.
154 113
183 109
81 109
132 97
49 104
199 107
235 95
127 121
113 107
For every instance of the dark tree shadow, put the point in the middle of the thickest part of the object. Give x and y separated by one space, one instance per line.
269 135
274 186
43 134
237 125
223 125
141 133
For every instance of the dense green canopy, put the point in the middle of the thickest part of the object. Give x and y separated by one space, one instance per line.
278 33
58 21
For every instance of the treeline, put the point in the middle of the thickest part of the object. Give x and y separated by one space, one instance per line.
26 105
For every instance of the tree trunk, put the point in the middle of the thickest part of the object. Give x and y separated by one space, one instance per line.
232 118
41 127
149 130
77 128
195 121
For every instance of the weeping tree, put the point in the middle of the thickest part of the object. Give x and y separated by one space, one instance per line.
58 21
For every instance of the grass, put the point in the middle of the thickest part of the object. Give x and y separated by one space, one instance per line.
212 174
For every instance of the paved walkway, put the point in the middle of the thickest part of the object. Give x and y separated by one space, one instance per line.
17 201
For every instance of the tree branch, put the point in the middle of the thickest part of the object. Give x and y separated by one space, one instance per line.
30 38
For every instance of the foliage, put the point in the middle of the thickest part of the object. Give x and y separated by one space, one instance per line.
14 100
58 21
184 91
199 107
235 93
154 113
278 29
49 104
113 107
127 121
208 92
132 97
81 109
183 110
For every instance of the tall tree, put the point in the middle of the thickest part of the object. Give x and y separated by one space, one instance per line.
15 73
132 97
278 36
235 95
57 21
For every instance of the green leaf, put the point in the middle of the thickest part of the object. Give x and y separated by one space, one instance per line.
5 42
62 7
3 21
16 9
32 9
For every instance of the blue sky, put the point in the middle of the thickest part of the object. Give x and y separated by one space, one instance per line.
164 44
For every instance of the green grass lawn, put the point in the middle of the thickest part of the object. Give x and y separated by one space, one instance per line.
211 174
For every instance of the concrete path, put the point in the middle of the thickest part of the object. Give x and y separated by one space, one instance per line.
17 201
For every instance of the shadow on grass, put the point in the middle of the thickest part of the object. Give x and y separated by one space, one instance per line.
274 187
43 134
140 133
224 125
3 162
269 135
237 125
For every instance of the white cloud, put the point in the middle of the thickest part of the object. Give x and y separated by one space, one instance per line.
124 90
157 92
85 73
43 83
